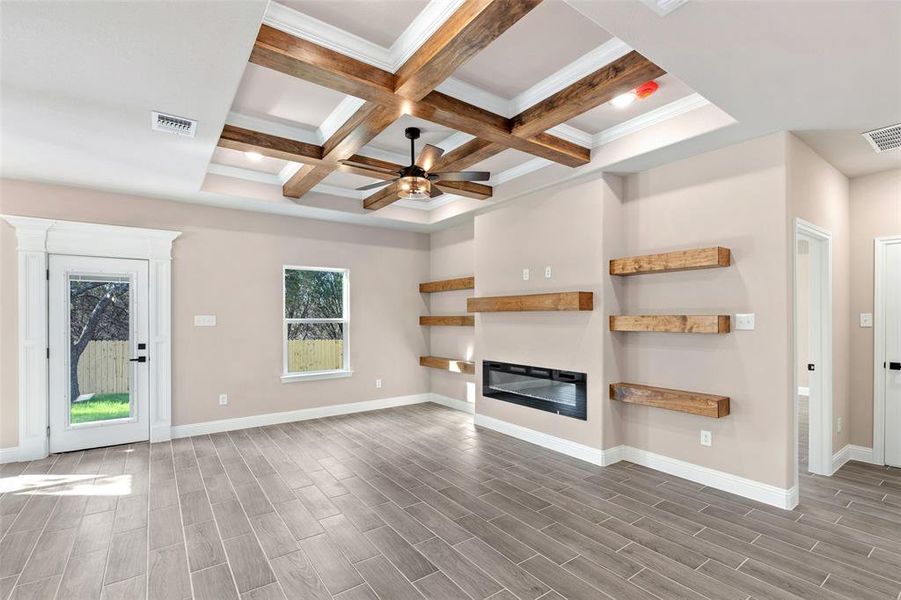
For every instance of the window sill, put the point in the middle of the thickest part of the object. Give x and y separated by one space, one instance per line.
314 375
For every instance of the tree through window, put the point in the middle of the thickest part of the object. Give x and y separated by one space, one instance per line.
316 320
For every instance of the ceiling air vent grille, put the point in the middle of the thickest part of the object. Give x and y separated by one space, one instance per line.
173 124
887 138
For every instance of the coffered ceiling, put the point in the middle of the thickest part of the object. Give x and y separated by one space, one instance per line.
302 83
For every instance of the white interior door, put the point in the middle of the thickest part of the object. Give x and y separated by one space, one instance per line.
892 370
98 326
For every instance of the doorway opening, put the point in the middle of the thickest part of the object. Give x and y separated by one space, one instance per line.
813 348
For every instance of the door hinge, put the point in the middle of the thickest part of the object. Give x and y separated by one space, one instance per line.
48 274
48 352
48 430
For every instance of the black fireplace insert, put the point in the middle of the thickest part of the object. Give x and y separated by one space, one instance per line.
560 392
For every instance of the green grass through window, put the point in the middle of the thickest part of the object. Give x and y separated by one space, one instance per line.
102 407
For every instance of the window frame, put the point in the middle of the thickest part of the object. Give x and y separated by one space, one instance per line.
346 371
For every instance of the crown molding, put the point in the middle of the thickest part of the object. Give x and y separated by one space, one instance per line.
339 115
652 117
518 171
242 173
390 59
572 134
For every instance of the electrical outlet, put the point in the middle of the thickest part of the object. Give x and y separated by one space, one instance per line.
223 399
378 383
866 319
547 272
706 438
744 321
838 424
525 274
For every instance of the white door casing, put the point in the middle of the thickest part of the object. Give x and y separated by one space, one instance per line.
66 436
36 238
820 346
887 355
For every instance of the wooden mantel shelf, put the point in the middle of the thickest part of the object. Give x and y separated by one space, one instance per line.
696 403
681 260
448 320
532 302
447 285
448 364
671 323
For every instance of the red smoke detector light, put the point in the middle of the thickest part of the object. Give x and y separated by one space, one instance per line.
646 89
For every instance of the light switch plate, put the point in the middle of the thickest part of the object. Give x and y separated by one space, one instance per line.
204 320
744 321
866 319
525 274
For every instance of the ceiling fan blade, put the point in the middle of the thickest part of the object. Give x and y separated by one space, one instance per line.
375 185
464 176
435 192
427 157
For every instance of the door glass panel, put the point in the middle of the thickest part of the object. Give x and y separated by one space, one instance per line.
99 348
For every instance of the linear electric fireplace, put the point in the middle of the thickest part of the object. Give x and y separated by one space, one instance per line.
561 392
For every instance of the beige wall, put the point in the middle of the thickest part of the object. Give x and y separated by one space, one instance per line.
562 228
819 194
733 197
875 212
452 255
228 263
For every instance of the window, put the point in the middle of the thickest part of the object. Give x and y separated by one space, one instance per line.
316 323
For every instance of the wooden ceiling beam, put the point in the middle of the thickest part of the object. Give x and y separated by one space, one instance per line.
303 59
618 77
467 189
305 179
465 33
472 152
382 198
273 146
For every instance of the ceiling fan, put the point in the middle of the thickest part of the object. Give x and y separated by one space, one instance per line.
415 181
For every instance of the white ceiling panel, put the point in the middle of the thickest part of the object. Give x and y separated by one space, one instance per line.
236 158
392 139
606 115
501 162
378 21
544 41
270 94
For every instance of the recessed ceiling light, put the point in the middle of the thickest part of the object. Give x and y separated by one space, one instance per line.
254 156
623 100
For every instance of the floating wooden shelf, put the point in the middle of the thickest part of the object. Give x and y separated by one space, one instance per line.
448 364
681 260
447 285
532 302
671 323
705 405
449 320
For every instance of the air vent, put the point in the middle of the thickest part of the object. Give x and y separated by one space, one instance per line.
887 138
173 124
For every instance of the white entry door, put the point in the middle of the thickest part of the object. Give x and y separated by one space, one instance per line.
892 367
98 326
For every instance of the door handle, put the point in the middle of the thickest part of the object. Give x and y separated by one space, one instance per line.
894 366
138 359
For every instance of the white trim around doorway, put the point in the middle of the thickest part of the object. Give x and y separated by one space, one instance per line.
820 458
879 246
36 240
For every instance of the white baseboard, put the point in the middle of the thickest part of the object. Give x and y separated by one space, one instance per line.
748 488
180 431
595 456
8 455
803 391
851 452
461 405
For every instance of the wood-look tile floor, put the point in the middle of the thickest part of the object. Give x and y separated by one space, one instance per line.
416 502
